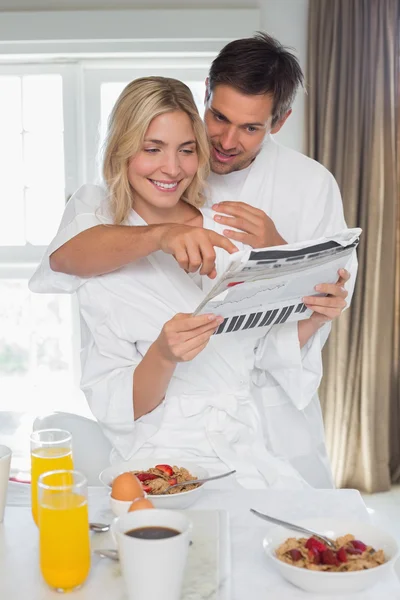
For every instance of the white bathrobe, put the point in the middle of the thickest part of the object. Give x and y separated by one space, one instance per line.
249 400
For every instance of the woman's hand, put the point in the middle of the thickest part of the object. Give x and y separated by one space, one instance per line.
184 336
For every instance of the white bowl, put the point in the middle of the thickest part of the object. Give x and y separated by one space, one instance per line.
181 500
334 583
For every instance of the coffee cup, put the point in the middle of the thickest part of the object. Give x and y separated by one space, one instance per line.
153 546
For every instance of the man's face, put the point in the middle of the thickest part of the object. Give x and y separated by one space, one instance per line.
237 124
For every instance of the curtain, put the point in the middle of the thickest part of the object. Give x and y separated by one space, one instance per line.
395 404
352 123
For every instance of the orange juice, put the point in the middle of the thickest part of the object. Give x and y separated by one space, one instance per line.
64 539
43 460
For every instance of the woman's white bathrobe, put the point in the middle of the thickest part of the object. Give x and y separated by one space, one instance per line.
216 410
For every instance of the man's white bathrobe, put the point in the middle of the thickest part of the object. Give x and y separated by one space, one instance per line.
303 200
249 400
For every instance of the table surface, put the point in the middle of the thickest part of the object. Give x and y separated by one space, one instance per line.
252 575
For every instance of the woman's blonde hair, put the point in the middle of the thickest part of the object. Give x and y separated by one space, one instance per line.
139 103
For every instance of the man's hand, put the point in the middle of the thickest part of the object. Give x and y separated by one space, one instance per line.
327 308
257 229
193 247
184 336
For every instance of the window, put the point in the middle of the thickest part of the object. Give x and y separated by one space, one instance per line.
32 157
36 354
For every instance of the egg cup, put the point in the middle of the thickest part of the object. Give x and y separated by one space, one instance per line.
120 507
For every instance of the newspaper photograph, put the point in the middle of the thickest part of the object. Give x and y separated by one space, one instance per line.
265 287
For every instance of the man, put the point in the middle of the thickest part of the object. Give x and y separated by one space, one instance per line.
263 194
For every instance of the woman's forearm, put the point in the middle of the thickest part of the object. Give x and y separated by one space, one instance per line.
150 381
306 329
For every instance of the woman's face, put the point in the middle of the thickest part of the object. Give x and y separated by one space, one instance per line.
166 164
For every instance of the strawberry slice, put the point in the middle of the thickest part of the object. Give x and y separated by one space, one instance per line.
341 554
328 557
172 481
295 554
312 543
358 545
314 555
165 469
352 550
146 476
146 488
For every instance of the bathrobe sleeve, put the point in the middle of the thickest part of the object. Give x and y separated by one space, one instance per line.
83 211
109 361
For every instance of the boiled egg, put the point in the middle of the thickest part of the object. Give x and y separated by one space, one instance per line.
126 487
140 504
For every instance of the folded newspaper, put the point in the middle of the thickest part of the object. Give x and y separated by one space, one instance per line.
265 287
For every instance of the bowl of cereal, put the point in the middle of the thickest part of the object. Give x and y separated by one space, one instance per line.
363 555
156 475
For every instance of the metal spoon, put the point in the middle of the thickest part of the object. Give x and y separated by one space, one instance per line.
199 481
294 527
99 527
108 553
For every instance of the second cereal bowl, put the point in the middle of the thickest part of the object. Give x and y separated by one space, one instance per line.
321 582
178 500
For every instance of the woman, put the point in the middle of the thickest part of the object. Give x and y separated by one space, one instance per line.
155 378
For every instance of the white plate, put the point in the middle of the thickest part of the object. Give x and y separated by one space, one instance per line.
181 500
334 583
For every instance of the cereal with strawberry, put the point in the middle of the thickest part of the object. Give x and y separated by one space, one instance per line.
349 555
156 480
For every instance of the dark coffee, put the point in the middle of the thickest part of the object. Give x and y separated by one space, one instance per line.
152 533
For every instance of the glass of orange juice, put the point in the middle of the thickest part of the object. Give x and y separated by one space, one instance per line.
64 545
51 450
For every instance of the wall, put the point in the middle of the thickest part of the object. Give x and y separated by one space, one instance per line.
287 21
284 19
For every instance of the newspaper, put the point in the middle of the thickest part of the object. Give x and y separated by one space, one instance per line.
265 287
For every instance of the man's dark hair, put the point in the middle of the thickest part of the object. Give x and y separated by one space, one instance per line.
259 65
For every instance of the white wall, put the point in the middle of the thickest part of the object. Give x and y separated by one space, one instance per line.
287 21
284 19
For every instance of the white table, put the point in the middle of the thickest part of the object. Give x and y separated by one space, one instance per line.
252 576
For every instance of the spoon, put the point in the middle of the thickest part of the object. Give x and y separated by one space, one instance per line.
108 553
99 527
198 481
294 527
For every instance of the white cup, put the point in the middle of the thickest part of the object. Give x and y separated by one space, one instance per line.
152 569
5 461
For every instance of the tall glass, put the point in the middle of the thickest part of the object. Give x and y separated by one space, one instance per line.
64 545
51 450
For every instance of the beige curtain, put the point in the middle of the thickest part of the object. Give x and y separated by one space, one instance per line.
352 112
395 406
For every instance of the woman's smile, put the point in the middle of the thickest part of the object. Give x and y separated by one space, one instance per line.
165 186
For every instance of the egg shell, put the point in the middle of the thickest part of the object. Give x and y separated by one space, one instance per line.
126 487
140 504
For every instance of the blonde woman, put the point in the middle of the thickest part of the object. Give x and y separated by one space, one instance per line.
156 379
